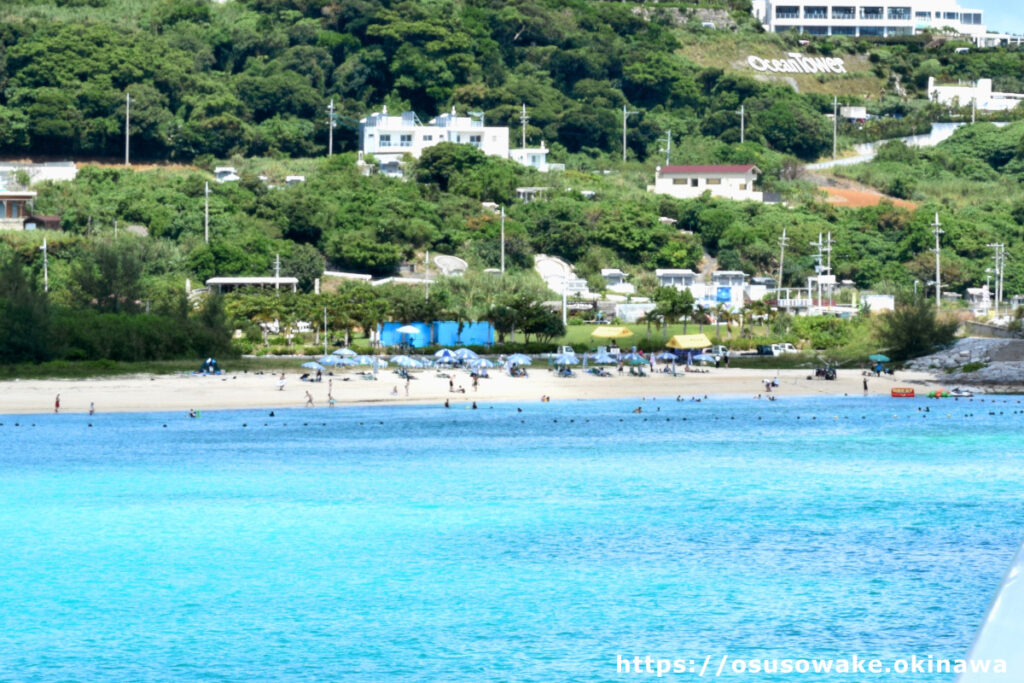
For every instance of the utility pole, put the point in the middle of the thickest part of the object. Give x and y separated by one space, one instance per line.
325 330
625 115
818 267
974 108
206 215
426 278
277 272
668 147
503 240
46 267
743 117
330 128
999 259
783 241
127 123
828 267
835 125
938 270
523 118
115 228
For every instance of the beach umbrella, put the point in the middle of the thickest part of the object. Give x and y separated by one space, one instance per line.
344 352
605 332
481 363
444 355
604 359
879 358
704 358
328 361
406 362
312 365
566 359
519 359
665 355
465 354
408 329
370 360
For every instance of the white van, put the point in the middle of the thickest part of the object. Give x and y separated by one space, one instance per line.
780 349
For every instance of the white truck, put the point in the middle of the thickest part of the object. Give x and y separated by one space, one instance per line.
782 349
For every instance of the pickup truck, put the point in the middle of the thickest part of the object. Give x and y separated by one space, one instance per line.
782 349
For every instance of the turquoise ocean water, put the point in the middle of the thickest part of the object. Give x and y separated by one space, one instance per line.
418 543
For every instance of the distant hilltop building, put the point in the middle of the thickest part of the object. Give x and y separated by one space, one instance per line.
980 93
389 138
846 18
690 182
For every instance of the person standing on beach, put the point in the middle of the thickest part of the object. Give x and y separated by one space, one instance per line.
865 385
406 388
280 383
56 404
309 400
92 408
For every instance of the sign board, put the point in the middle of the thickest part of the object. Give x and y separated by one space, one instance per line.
724 294
798 64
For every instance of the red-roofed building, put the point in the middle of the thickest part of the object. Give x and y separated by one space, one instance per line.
690 182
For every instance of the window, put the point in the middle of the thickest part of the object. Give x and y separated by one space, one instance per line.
951 15
428 138
972 18
872 31
787 12
679 181
844 31
816 30
713 181
899 31
926 16
693 182
815 12
476 140
873 13
743 186
899 13
405 141
385 140
844 13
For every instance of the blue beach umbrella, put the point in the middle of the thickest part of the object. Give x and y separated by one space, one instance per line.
345 352
444 356
481 363
603 359
704 358
328 361
312 365
519 359
465 354
665 355
566 359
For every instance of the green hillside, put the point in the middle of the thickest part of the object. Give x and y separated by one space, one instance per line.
247 83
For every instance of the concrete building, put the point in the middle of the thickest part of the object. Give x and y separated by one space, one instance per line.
534 157
869 17
690 182
226 174
389 138
980 93
56 171
14 208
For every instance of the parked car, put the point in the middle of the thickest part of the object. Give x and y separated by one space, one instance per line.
718 351
781 349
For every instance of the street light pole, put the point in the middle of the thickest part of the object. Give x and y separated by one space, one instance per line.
127 123
46 267
625 115
742 123
330 128
206 214
938 270
503 240
835 125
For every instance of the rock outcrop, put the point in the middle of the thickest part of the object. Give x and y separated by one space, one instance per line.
977 361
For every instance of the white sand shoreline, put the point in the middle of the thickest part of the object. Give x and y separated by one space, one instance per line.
163 393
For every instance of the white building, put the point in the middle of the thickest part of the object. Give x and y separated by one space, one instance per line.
56 171
15 205
615 281
868 17
534 157
727 287
389 138
690 182
980 93
226 174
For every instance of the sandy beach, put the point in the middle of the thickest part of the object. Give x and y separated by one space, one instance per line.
241 390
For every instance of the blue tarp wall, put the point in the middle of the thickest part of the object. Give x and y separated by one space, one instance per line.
443 334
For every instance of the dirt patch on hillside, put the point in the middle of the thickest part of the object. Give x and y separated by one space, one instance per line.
856 199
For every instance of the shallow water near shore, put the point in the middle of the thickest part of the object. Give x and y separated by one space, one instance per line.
419 543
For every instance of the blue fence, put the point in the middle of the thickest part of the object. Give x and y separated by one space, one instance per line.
438 333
